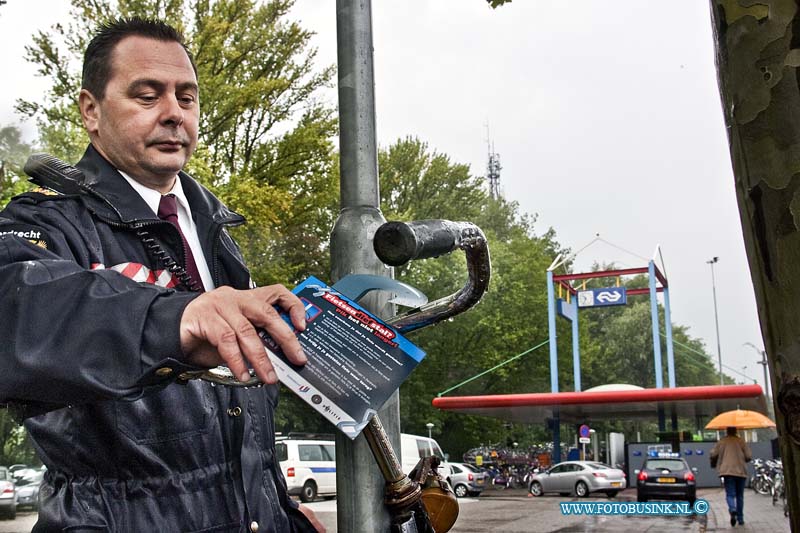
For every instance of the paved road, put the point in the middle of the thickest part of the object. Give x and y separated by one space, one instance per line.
23 523
512 512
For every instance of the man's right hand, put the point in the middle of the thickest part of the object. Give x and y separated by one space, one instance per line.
219 328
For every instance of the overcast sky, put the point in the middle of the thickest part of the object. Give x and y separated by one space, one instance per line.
606 116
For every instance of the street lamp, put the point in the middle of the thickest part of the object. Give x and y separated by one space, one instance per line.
716 317
763 362
429 425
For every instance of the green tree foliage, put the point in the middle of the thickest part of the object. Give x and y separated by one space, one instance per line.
13 154
15 445
265 141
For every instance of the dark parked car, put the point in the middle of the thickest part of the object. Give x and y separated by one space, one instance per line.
665 477
580 477
28 489
466 479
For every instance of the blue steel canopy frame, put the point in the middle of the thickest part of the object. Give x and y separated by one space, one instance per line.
569 309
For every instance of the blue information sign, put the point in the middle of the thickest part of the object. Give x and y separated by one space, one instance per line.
602 297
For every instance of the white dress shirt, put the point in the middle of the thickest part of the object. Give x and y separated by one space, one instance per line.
153 198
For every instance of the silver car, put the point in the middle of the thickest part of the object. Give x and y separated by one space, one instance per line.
28 488
580 478
466 479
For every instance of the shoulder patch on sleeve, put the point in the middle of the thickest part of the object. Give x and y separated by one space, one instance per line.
29 232
40 194
45 191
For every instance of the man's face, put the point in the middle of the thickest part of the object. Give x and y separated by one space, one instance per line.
146 124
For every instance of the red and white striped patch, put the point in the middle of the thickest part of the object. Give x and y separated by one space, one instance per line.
139 272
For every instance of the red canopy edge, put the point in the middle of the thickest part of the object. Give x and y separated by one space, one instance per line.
706 392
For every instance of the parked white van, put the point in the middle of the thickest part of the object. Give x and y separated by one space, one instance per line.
414 447
308 465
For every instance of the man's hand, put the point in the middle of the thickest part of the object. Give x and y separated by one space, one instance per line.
219 328
311 517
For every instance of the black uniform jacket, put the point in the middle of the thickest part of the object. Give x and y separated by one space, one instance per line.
90 357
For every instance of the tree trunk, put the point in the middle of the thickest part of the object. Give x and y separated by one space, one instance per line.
758 52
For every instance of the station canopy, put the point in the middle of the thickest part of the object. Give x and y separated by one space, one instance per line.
609 402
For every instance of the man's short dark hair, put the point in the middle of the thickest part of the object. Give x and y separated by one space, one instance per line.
97 59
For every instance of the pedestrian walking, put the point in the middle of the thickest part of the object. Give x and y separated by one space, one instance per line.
729 456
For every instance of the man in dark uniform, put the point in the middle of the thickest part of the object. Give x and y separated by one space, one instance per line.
115 292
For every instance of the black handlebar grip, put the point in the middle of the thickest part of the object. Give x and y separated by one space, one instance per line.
397 243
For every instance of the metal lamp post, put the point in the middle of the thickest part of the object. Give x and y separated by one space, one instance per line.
711 262
429 425
763 363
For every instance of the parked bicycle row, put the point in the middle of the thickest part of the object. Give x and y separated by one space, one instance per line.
486 455
768 480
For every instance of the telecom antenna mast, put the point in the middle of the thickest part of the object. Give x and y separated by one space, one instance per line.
493 168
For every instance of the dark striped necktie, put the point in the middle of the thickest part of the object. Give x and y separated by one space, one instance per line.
168 210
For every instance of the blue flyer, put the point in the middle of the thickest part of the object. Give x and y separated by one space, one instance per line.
355 360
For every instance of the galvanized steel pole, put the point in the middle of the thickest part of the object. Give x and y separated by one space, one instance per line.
711 262
360 486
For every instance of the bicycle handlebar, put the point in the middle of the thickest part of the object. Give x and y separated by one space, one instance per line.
396 243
